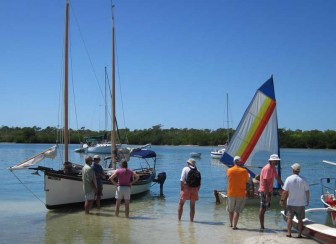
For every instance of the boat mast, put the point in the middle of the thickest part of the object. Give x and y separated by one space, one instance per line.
227 119
105 99
66 44
113 132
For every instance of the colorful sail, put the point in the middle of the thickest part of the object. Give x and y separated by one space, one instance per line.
49 153
258 129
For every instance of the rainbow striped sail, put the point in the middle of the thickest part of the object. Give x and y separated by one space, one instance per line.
258 129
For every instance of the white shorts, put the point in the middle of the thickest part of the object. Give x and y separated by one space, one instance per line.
123 192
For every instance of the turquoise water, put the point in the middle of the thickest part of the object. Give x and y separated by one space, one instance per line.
152 218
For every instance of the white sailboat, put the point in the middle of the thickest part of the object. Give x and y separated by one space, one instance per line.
63 187
256 134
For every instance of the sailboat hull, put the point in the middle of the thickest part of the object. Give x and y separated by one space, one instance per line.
61 189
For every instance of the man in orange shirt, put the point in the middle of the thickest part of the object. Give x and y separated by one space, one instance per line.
238 178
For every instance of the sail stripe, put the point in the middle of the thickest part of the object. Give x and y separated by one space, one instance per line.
257 128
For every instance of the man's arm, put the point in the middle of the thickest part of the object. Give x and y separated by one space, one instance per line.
283 198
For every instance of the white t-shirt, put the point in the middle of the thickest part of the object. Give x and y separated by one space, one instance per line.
184 174
296 186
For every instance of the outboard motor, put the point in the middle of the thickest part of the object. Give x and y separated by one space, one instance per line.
161 178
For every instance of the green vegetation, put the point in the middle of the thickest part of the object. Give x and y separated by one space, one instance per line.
157 136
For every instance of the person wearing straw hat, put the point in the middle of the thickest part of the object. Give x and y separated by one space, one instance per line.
295 196
267 175
188 192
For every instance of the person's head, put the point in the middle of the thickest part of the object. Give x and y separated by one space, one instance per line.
274 159
237 160
96 159
296 168
88 160
191 162
123 164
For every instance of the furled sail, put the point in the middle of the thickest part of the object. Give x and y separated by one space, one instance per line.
258 129
49 153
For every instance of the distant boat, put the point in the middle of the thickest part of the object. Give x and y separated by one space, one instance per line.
257 132
217 154
195 154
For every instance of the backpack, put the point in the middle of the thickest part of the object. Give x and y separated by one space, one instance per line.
193 178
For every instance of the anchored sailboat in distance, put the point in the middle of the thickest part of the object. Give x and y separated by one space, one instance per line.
256 134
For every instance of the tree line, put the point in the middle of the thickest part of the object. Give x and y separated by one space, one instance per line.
156 135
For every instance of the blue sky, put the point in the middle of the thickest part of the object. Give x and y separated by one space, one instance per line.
177 60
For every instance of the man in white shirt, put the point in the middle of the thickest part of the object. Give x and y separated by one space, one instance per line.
296 193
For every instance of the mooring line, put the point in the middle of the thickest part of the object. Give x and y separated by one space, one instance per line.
27 188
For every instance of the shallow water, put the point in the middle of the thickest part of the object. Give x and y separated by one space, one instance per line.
153 219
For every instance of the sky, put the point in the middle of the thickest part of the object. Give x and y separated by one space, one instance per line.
176 62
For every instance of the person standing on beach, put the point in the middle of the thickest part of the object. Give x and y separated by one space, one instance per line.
296 194
238 179
89 184
190 183
126 178
100 174
267 175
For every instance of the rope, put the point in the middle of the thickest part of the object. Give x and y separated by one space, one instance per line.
28 188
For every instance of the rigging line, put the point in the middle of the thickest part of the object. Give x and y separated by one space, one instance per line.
28 188
86 50
73 93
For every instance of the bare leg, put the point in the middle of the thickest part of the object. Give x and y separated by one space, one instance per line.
117 206
262 217
289 226
98 201
88 205
300 227
231 218
235 219
127 208
192 210
180 209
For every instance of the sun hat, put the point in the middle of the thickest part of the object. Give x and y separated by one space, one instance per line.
96 157
191 162
236 158
274 157
296 167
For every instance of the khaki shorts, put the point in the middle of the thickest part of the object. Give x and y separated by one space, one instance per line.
189 193
90 196
298 211
235 204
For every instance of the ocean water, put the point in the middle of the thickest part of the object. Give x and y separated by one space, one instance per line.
153 218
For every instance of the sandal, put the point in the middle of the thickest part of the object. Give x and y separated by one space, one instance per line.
299 237
235 228
289 236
